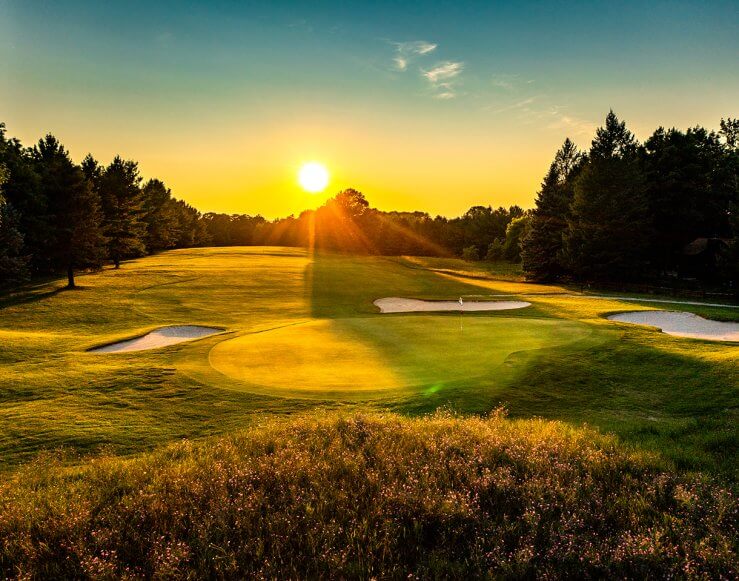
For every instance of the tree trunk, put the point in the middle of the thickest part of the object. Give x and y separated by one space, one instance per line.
70 277
117 262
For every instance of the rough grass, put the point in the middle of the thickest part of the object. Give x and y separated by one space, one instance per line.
329 495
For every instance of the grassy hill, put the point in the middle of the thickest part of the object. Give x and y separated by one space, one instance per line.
371 495
302 333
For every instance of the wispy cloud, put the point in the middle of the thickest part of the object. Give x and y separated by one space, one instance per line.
443 71
405 52
443 78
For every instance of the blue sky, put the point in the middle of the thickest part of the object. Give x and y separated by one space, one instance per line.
435 105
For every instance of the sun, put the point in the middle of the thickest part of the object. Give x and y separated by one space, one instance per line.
313 177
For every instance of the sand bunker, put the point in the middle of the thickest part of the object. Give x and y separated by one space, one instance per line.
159 338
682 324
398 305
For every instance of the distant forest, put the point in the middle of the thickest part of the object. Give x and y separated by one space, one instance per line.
667 209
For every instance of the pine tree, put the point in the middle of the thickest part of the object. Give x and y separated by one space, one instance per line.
118 187
541 248
609 228
160 216
74 208
22 193
689 189
729 134
13 261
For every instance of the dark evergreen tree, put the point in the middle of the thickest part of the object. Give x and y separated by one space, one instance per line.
688 191
160 215
74 207
609 229
22 193
119 188
191 229
13 261
729 134
541 248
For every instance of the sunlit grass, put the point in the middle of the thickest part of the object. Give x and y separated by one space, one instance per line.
559 358
371 356
370 495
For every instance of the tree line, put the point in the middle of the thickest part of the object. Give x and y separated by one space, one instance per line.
621 211
625 211
347 223
60 217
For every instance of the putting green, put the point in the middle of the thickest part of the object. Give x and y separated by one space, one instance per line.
377 354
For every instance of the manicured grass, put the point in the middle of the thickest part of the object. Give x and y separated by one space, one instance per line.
368 496
500 270
382 357
302 333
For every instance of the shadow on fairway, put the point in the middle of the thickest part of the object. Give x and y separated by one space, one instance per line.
674 397
440 359
31 294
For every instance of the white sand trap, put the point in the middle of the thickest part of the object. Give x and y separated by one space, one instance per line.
398 305
159 338
682 324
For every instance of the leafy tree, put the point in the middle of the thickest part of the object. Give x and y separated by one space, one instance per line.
609 228
481 225
541 246
471 253
118 187
495 250
338 223
515 233
74 208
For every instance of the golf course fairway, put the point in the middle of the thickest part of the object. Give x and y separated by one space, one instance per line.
300 333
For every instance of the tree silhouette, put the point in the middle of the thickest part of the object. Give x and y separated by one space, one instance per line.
13 262
74 207
609 228
118 187
541 247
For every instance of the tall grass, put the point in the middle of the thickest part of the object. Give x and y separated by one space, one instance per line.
370 496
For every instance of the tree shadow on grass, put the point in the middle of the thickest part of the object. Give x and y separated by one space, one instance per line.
342 289
681 404
341 285
32 293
